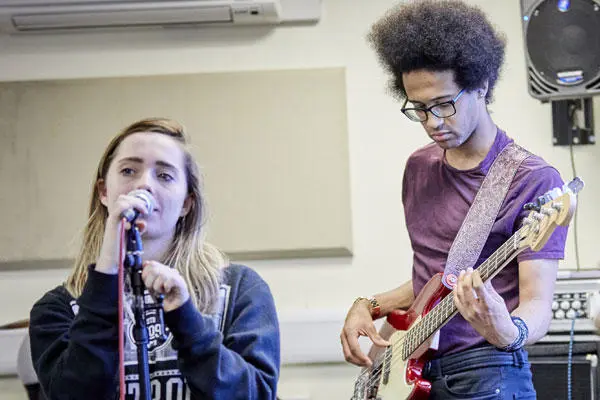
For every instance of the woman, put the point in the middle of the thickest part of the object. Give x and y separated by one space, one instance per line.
222 337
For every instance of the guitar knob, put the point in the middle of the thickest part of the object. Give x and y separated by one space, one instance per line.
555 305
560 314
576 304
565 305
571 314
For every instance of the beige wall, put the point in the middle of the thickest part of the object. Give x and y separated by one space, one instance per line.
380 140
274 157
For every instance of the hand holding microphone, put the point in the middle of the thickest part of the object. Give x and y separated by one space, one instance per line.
132 212
127 206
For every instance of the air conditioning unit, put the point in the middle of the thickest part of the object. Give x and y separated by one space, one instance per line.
17 16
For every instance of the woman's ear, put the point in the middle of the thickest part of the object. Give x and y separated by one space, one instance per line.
101 188
187 205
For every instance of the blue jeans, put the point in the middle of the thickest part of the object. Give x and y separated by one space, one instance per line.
484 373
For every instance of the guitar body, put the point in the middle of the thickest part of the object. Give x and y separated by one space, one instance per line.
405 379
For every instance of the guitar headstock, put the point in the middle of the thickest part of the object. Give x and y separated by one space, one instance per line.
554 208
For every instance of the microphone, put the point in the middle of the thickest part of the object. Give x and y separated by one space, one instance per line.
144 195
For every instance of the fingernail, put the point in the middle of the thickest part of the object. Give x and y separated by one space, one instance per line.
470 269
462 272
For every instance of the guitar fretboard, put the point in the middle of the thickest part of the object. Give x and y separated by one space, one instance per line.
446 308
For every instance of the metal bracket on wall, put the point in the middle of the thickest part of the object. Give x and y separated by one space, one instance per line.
573 122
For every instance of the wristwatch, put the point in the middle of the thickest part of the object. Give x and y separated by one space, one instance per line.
374 305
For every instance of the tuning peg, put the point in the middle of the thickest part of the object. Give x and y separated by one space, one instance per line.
574 186
547 211
532 207
538 216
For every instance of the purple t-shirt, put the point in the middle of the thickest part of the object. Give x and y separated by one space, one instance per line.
436 199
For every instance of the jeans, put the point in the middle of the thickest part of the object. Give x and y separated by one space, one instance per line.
484 373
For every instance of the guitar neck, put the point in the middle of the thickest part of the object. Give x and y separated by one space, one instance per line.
446 309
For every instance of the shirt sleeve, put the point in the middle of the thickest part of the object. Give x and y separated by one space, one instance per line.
243 364
75 356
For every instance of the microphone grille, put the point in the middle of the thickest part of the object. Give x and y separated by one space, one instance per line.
144 195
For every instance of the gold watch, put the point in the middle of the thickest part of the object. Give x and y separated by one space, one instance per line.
374 305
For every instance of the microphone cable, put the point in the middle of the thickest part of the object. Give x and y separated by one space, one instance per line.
121 289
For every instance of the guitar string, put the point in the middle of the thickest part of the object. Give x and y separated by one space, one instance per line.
410 336
515 239
441 308
444 306
416 338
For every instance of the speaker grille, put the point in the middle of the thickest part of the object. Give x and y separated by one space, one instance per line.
594 85
540 86
563 48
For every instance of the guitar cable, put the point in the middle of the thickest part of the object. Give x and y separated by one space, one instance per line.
570 360
574 171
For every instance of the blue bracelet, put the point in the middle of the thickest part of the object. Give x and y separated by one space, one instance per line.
521 338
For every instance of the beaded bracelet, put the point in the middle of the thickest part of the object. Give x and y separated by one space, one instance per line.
521 338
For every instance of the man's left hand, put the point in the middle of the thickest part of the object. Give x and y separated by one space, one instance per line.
484 309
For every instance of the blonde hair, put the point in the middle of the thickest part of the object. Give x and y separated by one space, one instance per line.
198 262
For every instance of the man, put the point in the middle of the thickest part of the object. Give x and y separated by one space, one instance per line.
444 58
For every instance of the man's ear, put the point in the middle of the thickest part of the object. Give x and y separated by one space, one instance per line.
101 186
482 92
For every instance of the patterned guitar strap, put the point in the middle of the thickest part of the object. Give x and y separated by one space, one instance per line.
480 218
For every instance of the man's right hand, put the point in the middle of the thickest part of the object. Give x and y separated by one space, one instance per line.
359 323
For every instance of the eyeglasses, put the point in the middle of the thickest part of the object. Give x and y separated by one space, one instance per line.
441 110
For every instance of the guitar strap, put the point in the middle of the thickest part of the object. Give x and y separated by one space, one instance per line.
477 225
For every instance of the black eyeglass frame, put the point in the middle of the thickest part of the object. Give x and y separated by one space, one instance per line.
406 111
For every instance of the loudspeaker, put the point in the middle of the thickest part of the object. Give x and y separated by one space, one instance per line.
549 367
562 48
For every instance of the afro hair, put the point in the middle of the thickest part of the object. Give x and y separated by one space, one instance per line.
439 35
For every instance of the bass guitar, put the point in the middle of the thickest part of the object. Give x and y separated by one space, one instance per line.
398 369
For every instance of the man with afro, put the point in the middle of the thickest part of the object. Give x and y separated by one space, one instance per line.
444 59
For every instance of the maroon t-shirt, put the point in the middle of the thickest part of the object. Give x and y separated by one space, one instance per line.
436 199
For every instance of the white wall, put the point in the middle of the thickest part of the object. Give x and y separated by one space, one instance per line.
380 141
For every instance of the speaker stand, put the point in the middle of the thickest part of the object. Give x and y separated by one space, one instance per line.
566 126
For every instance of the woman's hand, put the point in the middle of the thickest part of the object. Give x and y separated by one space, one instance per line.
108 261
161 279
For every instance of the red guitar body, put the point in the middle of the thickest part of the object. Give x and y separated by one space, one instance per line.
430 295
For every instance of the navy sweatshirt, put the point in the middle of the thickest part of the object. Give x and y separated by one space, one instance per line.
231 354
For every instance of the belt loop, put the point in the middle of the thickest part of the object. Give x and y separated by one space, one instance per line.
518 358
427 368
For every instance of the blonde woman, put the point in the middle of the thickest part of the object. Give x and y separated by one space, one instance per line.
222 336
